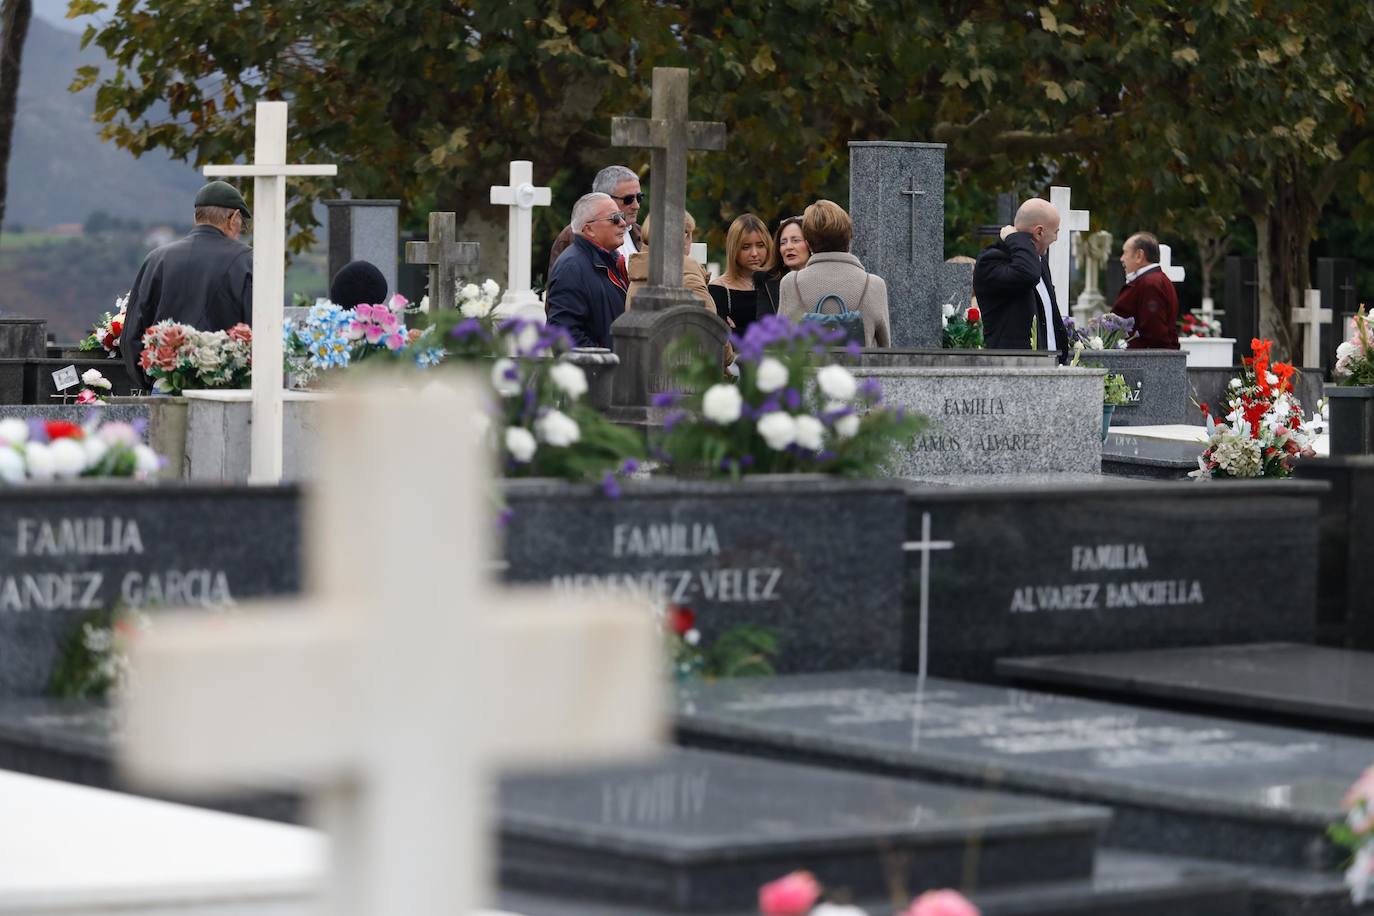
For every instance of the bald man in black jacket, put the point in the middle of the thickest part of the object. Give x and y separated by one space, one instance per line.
1013 285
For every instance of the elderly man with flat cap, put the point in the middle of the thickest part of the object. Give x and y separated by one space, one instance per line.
204 280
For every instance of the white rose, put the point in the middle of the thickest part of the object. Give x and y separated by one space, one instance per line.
1078 345
474 308
490 288
778 429
1235 383
1271 378
11 466
557 429
41 465
847 427
810 433
146 460
1095 344
837 383
14 431
947 310
68 458
570 378
1346 349
506 387
93 379
424 303
470 291
95 449
722 404
771 375
520 443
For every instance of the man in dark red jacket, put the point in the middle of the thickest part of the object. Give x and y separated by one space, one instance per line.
1148 295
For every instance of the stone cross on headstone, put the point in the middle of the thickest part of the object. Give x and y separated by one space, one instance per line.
269 172
391 693
521 196
1312 318
1175 273
1070 221
449 260
912 192
669 135
924 546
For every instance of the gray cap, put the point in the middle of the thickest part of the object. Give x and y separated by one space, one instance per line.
222 194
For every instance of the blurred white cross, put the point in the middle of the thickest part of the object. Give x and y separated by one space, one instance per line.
521 196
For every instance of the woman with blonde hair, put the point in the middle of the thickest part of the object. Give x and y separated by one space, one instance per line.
694 276
741 293
833 272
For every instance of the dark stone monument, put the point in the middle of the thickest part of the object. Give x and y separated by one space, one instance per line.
23 338
1336 283
664 312
694 831
1240 291
1345 577
1158 382
1048 569
364 230
818 559
1308 686
1113 278
448 259
1125 455
1181 784
1208 385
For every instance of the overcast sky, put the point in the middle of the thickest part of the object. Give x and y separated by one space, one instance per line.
55 12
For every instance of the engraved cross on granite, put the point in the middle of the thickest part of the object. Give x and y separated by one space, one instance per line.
449 260
912 193
670 135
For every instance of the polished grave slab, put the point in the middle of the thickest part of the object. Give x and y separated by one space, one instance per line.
1313 685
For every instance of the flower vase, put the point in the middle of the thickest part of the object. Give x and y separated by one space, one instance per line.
1351 419
1107 411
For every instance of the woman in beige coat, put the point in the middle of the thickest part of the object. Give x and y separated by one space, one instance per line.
832 270
694 276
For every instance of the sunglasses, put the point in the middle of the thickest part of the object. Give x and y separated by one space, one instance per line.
616 217
628 199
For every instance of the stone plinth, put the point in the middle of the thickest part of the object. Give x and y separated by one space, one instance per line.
645 342
937 357
599 364
1158 380
218 434
364 230
997 420
23 338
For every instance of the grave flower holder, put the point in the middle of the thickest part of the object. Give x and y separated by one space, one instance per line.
1209 352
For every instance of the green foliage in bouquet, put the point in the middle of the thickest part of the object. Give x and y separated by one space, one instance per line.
790 410
1355 357
962 332
744 650
92 662
1115 390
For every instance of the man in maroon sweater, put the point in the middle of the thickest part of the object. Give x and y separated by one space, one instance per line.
1148 295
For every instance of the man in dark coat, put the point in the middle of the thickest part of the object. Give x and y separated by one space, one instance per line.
204 280
1013 285
1148 296
588 283
623 185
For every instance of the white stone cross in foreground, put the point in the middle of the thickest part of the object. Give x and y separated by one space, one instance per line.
521 196
1312 318
392 692
1166 264
1070 221
269 172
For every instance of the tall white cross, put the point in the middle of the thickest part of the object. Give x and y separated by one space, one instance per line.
269 172
1070 221
392 691
521 196
1166 264
1312 318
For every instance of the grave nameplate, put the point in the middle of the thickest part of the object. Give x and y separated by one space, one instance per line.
695 830
1310 686
1158 383
997 420
1182 784
1036 570
70 552
817 559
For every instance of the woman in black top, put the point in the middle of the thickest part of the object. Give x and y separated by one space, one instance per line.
742 293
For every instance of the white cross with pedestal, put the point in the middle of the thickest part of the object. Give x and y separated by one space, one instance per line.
1166 264
521 196
1070 221
391 693
269 172
1312 318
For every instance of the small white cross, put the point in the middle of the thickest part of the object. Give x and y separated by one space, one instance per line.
393 691
1166 264
925 545
521 196
1312 318
269 173
1070 221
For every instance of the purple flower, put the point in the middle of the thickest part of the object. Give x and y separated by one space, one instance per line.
629 466
673 419
468 327
503 518
825 455
38 430
792 397
871 388
665 398
854 349
746 461
610 486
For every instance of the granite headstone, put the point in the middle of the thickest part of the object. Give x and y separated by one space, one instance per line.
1240 292
1345 577
1157 381
23 338
364 230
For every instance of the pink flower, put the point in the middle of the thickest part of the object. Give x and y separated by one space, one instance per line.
395 341
790 895
399 303
941 903
87 396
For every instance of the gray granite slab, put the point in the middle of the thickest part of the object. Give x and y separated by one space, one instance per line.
937 357
364 230
997 420
219 435
1125 455
69 551
1158 382
693 829
76 413
1298 684
23 338
1181 784
1040 569
816 558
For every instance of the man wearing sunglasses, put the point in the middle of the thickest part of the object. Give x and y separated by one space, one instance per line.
587 285
204 280
622 185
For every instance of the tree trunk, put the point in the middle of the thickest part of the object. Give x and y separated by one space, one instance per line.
1285 222
14 29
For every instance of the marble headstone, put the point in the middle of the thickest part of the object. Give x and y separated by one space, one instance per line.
364 230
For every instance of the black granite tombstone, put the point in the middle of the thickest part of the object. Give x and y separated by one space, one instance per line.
1240 301
1345 576
23 338
1336 283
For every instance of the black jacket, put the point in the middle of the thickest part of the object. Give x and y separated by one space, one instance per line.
1004 280
766 301
583 298
204 280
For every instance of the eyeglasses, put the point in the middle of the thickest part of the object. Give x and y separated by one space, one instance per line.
616 217
628 199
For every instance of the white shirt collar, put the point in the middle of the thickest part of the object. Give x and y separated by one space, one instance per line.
1130 277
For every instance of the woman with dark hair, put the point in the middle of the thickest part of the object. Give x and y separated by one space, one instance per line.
793 252
741 293
833 272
